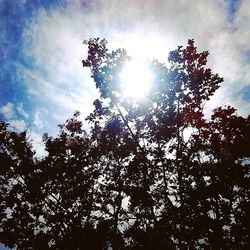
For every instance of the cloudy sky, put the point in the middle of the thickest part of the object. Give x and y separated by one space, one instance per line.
41 77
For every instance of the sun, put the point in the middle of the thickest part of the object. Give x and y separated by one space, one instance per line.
136 79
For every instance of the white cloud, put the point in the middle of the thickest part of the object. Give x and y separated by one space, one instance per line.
241 22
54 42
38 121
37 143
18 125
7 110
21 110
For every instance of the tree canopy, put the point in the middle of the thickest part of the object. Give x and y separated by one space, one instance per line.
151 173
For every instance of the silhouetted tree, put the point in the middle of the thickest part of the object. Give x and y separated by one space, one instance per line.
181 168
152 173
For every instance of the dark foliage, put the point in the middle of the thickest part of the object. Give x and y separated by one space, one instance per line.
150 174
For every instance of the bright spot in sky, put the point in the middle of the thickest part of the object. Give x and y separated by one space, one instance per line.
136 79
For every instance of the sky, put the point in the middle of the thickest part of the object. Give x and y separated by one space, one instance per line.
42 81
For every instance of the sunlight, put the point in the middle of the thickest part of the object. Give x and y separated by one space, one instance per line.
136 79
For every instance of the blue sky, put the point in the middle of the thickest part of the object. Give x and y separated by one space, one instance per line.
42 80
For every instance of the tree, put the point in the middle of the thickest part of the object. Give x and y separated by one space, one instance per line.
150 174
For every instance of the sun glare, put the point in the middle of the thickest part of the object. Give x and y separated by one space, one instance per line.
136 79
